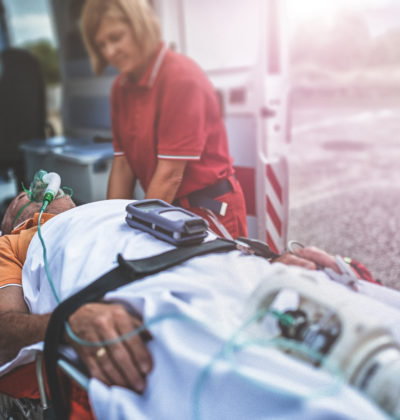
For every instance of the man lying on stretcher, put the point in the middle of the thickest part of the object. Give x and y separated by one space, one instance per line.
82 243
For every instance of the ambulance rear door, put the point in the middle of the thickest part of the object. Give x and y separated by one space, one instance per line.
242 48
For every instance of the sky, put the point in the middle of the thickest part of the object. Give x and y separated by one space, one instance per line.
30 20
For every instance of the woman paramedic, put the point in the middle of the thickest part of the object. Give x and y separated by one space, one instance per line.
168 131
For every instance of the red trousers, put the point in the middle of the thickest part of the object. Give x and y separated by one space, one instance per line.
234 220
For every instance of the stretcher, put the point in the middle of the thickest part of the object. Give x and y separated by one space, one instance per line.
31 381
39 408
197 361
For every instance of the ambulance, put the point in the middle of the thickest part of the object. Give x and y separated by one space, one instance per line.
242 47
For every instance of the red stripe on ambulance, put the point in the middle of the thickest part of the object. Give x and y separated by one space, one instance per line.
274 210
274 217
276 202
271 243
274 182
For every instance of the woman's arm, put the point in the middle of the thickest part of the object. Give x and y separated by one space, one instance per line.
166 179
122 180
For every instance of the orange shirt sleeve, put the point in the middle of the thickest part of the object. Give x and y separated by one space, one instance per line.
13 250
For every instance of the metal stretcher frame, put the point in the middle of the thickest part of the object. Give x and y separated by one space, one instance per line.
28 409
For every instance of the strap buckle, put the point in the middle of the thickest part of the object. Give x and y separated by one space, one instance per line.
256 247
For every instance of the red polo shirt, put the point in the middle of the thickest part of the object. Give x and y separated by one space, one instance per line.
172 112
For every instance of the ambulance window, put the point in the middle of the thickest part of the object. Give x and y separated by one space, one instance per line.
28 26
74 47
224 42
28 21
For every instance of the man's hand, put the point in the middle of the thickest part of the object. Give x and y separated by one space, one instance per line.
125 363
290 259
310 258
318 257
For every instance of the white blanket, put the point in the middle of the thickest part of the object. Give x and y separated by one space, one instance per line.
207 296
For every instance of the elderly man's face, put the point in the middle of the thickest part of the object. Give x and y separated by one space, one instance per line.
57 206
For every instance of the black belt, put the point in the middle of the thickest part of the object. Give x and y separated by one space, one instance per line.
205 197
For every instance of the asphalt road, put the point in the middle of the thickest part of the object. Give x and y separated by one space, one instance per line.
345 183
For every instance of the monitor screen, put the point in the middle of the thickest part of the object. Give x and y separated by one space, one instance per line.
175 215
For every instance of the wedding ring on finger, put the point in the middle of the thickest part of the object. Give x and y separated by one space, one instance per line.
101 352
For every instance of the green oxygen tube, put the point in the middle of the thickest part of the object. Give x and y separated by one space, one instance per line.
50 183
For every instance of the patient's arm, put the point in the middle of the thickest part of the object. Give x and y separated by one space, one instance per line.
125 363
309 257
318 256
290 259
18 327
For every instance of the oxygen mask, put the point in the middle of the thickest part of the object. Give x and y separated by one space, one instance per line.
44 188
44 183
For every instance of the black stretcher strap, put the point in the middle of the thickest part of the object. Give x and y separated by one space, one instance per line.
127 272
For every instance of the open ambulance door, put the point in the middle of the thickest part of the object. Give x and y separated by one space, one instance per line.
241 47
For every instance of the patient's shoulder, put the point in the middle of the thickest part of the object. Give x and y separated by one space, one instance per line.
10 263
14 247
31 223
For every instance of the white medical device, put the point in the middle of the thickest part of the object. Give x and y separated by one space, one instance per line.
53 181
350 330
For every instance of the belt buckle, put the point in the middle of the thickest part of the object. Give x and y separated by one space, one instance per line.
223 208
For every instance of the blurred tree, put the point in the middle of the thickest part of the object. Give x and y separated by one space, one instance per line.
341 45
341 55
46 53
385 50
310 38
349 42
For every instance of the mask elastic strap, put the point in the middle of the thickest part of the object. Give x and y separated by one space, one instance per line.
20 211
